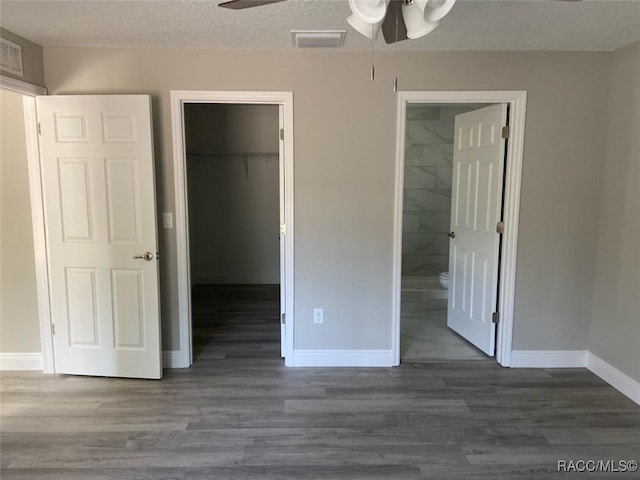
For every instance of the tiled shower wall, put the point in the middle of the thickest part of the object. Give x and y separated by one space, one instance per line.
427 189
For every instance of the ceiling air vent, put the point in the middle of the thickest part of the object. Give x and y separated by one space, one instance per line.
318 38
11 57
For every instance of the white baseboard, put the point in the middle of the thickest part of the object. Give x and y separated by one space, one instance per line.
214 279
21 361
614 377
174 359
33 361
384 358
548 358
342 358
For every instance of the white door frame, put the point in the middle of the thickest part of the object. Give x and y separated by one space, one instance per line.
29 91
184 357
517 106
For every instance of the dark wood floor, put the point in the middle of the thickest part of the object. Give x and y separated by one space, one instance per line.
238 413
236 321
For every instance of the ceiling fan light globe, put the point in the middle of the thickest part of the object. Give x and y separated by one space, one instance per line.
369 11
369 30
414 21
436 10
421 5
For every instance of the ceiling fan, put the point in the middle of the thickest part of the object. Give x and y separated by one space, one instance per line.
398 19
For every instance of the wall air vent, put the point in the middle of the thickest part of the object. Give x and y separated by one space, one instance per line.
11 57
318 38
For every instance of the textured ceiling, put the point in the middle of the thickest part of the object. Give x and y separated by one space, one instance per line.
589 25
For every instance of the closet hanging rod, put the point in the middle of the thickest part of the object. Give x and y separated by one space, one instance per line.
238 155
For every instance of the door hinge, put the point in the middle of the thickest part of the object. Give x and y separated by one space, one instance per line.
505 131
53 328
39 128
282 134
283 318
495 318
500 227
283 229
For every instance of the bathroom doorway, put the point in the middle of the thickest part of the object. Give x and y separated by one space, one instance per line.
425 316
428 174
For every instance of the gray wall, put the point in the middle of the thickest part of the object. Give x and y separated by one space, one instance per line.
19 329
344 172
427 189
615 327
232 170
32 59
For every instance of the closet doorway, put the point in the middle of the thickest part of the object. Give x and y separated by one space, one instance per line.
234 229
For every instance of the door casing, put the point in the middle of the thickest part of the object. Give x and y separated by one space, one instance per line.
516 100
29 92
184 357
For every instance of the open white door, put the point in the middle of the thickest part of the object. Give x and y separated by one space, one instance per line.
283 226
100 215
478 169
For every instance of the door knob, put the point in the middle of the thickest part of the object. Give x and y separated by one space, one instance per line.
452 234
148 256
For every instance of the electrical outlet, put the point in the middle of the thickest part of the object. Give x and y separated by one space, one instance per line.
318 315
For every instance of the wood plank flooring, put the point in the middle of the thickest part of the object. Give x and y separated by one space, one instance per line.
238 413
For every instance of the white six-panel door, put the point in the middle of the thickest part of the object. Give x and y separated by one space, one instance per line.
478 169
99 194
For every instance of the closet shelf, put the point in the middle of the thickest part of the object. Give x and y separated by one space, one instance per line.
241 155
199 158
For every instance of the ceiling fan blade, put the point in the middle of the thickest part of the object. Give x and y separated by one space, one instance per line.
394 14
241 4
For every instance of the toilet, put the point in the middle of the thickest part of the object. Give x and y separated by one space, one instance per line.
444 280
